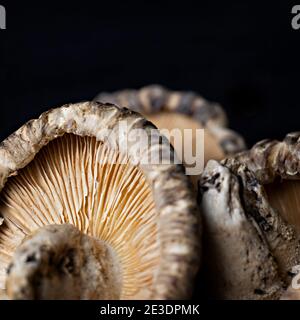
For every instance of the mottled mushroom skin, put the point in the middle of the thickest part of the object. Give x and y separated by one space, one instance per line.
60 262
153 99
251 172
270 159
238 262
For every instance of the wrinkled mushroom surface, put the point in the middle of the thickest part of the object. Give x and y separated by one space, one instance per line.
250 205
184 110
84 217
276 165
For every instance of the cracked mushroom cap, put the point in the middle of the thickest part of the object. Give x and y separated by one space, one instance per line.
251 210
83 216
184 110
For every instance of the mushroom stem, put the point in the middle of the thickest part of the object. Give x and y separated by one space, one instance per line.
60 262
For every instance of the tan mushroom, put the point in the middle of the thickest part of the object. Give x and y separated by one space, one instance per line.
85 216
182 110
250 204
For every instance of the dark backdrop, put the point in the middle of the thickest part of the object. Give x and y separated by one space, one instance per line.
243 54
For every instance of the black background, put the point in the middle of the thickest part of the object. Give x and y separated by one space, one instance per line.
243 54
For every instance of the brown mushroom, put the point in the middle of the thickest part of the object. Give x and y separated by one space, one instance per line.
182 110
252 221
86 216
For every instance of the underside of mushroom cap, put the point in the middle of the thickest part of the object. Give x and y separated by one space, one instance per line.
146 213
267 191
170 109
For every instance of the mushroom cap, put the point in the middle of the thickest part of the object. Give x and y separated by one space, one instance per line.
154 99
276 165
262 193
174 215
272 159
238 262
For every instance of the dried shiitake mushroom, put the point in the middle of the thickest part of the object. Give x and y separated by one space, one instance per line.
183 110
83 216
250 205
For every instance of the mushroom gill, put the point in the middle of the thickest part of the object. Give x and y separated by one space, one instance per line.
284 197
82 182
